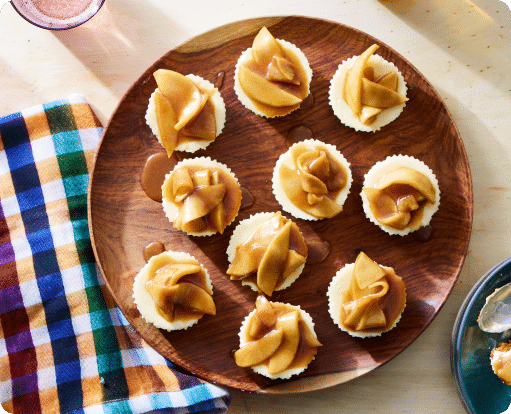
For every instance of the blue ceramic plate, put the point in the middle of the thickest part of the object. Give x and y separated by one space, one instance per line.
481 391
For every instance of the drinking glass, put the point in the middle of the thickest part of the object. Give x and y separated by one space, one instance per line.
57 14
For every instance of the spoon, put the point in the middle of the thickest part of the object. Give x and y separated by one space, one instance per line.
495 315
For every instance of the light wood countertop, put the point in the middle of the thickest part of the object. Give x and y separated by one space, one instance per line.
462 47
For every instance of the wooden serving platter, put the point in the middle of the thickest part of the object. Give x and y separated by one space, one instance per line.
123 220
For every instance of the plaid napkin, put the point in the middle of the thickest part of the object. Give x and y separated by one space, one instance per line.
64 345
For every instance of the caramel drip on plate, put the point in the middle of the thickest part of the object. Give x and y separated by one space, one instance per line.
318 250
153 174
153 249
298 133
220 80
247 198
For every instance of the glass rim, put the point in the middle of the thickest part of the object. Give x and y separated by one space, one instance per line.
40 24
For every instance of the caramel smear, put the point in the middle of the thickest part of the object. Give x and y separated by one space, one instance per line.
270 254
399 198
274 79
153 249
184 111
156 167
277 337
367 97
314 180
375 298
208 199
179 289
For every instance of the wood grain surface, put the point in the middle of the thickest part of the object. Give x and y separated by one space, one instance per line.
123 220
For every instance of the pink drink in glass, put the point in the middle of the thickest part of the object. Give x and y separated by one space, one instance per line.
57 14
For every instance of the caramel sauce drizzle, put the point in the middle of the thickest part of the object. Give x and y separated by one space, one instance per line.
153 174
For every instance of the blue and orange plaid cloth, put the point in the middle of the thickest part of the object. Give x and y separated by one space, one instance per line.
64 345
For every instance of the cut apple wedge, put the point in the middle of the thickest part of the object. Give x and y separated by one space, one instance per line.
352 92
186 295
266 312
367 271
259 89
379 96
411 177
256 352
264 47
171 274
166 121
273 261
284 355
174 87
308 336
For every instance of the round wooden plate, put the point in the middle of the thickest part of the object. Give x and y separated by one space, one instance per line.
123 220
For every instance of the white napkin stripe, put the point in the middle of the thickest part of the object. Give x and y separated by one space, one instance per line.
62 234
4 164
21 248
46 378
34 110
10 206
90 138
43 148
53 191
30 293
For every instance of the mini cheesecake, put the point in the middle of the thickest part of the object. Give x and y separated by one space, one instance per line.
366 299
400 194
367 92
201 196
266 252
312 180
272 77
277 340
173 291
185 113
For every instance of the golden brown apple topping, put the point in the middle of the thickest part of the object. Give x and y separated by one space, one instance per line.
274 79
277 337
501 361
314 180
208 198
184 111
375 298
399 198
366 96
270 254
179 289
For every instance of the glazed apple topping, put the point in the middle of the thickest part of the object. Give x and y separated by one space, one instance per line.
399 198
208 198
270 254
375 298
366 96
273 78
313 180
184 111
277 337
179 289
